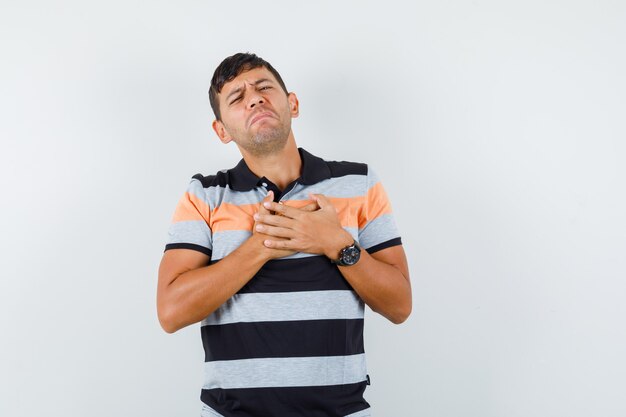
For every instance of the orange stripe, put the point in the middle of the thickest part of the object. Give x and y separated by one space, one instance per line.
377 204
228 216
190 207
348 210
233 217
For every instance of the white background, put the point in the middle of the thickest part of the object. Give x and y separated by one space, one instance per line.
497 127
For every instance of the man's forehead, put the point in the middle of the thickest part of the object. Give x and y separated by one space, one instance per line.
247 77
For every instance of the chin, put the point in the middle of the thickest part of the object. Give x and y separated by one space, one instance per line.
268 141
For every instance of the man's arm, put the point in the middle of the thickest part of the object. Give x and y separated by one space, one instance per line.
188 289
381 279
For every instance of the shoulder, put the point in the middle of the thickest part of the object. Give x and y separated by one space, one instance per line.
217 180
343 168
359 169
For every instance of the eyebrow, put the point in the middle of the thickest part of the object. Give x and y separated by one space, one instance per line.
238 90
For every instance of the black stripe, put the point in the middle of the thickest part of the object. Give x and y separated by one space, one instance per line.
314 273
343 168
282 339
191 246
392 242
326 401
314 170
218 180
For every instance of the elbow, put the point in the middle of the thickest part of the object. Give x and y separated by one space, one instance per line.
167 320
167 327
399 318
401 314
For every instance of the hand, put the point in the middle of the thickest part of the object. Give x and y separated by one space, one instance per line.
271 253
315 231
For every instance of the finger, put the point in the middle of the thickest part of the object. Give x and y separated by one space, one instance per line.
275 231
322 201
283 210
268 199
311 207
278 244
274 220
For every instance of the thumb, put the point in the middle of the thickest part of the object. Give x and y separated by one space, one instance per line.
268 199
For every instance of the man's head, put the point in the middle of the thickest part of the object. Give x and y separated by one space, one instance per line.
230 68
251 104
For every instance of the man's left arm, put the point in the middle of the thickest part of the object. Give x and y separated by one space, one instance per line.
381 279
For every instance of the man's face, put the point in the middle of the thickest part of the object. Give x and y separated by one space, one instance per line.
256 113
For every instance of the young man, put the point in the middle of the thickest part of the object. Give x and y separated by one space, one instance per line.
276 257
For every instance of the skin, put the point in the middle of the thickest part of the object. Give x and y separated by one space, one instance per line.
256 114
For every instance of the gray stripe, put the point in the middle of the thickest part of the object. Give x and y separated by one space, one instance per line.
209 412
362 413
215 195
220 195
379 230
341 187
190 231
195 187
227 241
372 177
285 372
288 306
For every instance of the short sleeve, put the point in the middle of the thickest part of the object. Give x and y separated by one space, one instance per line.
190 223
377 227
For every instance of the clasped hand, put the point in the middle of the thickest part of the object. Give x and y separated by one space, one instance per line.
314 229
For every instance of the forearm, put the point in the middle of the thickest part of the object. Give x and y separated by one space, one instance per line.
196 293
383 287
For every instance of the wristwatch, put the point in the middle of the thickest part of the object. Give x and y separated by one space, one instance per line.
349 255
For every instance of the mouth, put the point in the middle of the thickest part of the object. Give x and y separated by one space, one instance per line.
260 116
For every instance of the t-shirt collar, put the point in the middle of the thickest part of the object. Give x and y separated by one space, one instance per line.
314 170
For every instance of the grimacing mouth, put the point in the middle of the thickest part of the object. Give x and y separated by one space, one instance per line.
260 115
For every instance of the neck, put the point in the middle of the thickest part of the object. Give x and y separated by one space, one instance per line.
282 167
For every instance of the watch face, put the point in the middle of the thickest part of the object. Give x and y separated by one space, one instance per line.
351 255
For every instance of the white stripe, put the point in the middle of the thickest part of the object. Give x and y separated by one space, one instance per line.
288 306
285 372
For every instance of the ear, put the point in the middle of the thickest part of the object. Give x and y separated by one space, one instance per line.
294 105
221 132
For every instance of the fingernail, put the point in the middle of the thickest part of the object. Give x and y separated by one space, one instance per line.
267 204
256 216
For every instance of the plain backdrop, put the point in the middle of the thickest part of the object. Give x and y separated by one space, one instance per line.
497 128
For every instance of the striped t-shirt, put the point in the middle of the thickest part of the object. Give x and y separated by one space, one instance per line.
290 342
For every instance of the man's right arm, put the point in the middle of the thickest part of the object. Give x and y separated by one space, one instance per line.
189 290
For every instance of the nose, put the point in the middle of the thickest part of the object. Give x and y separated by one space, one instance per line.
255 99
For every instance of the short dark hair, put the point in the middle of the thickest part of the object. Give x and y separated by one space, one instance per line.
230 68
